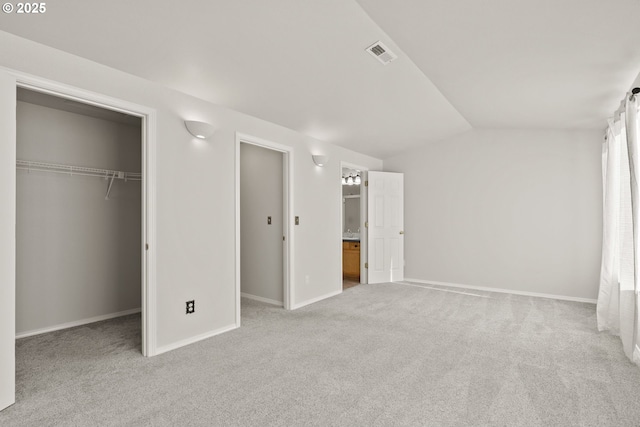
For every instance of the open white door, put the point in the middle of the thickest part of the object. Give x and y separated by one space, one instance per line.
7 240
386 227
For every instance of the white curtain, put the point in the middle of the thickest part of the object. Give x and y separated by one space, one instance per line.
608 296
629 297
617 309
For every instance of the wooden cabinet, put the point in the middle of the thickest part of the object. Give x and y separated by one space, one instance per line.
351 260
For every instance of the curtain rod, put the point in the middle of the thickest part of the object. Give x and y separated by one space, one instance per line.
634 91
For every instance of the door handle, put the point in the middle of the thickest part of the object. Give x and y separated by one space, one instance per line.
402 232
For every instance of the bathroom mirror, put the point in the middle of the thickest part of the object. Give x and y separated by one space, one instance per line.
352 214
351 203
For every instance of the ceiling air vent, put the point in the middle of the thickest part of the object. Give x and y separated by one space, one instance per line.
381 52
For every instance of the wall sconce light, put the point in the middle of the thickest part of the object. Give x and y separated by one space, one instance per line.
320 160
200 130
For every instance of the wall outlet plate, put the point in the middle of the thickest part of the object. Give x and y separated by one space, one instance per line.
191 306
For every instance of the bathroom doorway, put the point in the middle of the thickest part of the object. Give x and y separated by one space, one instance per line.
353 224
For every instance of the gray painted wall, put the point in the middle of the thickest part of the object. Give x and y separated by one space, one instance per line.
78 255
517 210
261 196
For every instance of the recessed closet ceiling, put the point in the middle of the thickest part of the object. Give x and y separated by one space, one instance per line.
303 65
55 102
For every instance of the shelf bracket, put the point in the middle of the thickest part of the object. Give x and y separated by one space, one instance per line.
109 187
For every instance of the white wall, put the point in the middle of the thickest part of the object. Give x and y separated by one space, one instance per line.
516 210
78 255
195 216
261 196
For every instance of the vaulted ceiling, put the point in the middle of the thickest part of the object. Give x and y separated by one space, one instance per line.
532 64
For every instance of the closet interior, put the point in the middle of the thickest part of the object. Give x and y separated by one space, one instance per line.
78 213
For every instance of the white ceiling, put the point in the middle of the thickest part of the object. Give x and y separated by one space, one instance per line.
301 64
531 64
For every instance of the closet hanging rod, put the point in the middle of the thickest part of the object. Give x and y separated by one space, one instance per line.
77 170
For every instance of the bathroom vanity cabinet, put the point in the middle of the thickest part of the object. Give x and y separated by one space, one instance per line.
351 260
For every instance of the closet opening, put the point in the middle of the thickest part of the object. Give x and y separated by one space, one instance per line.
80 221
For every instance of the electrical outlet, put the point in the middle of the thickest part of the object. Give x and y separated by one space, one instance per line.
191 306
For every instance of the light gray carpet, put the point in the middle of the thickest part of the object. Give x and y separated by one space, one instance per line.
377 355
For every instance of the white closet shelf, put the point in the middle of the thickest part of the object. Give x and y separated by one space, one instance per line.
107 174
77 170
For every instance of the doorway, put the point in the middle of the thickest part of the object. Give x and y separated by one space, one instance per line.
79 239
354 236
88 104
263 226
10 82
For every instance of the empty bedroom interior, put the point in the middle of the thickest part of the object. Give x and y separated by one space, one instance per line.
173 234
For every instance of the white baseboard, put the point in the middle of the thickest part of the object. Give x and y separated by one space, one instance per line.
504 291
76 323
261 299
195 339
313 300
440 289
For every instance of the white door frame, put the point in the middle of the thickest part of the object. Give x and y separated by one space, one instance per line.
287 229
148 118
363 219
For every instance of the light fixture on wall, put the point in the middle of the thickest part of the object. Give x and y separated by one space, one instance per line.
200 130
320 160
351 179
